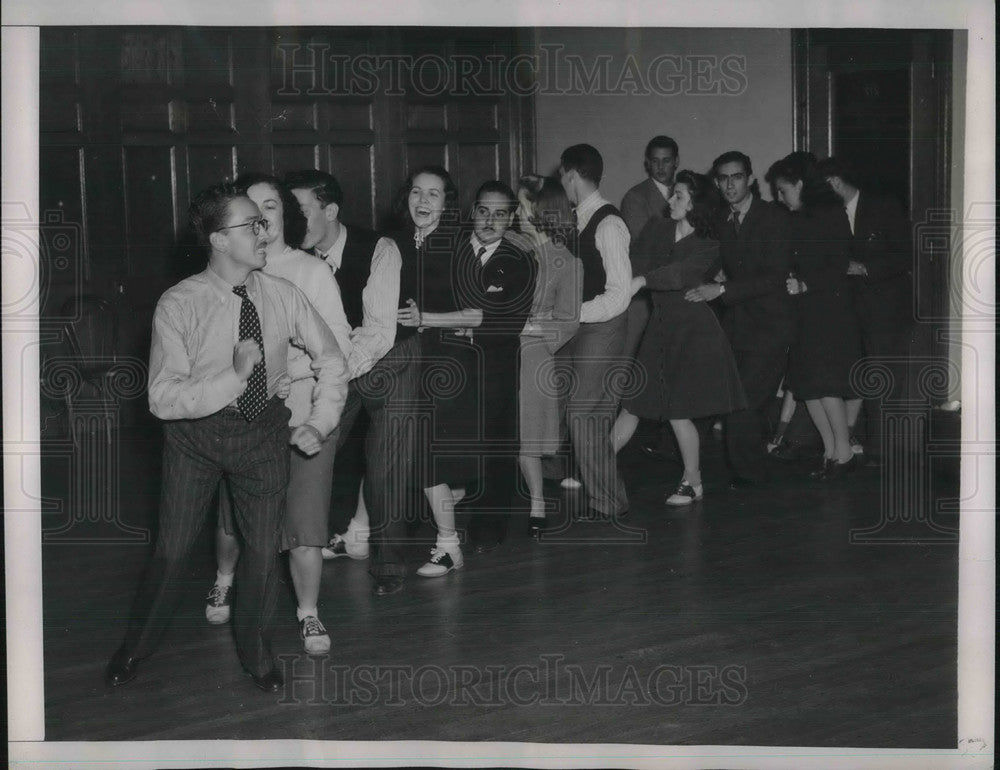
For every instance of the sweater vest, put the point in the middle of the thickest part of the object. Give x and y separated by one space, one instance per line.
594 275
352 275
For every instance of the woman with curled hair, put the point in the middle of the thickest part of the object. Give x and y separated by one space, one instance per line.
828 341
685 364
304 527
546 219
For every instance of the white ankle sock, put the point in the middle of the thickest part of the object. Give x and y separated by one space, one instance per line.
224 580
303 613
356 533
448 542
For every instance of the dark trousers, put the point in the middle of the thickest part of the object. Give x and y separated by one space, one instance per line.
596 367
499 476
747 430
389 394
197 455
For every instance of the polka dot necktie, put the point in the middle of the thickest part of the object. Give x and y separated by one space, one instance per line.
254 398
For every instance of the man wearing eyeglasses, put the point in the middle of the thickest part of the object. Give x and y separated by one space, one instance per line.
755 257
219 350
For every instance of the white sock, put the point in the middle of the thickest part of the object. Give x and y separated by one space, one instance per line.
448 542
304 612
223 580
356 533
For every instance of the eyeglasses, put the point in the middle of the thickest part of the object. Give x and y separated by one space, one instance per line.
255 225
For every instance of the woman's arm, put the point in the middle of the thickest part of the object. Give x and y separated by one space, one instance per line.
457 319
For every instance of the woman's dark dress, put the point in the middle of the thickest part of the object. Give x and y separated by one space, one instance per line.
450 365
469 382
685 363
828 341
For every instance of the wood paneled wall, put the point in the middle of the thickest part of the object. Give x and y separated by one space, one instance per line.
135 121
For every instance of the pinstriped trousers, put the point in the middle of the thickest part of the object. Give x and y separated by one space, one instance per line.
197 454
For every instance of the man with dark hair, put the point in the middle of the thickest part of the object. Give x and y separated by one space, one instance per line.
648 199
500 282
219 350
755 255
367 268
881 277
598 346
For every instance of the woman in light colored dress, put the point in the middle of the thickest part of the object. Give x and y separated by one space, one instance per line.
304 527
546 218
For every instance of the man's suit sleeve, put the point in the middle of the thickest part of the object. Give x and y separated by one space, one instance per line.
774 251
506 302
634 212
883 245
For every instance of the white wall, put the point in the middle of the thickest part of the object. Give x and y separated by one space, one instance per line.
699 112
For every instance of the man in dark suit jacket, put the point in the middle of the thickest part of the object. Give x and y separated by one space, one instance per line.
755 256
496 277
881 274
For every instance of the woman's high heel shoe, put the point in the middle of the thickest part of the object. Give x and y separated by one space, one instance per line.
821 471
536 525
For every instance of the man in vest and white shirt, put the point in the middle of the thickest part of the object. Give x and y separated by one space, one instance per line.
597 349
367 268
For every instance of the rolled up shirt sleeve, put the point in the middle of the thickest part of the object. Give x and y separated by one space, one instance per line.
380 300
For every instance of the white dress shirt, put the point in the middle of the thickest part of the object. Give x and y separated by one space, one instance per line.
196 327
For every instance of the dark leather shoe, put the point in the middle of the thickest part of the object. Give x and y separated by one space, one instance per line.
836 470
821 472
487 546
121 669
272 681
386 585
536 525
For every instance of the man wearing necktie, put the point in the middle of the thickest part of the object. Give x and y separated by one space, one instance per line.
499 281
219 349
755 257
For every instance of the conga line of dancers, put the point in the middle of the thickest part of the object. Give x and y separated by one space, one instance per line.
491 348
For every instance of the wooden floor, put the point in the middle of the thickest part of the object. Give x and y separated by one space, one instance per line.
747 619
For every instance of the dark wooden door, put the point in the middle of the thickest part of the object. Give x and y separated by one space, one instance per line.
134 121
881 99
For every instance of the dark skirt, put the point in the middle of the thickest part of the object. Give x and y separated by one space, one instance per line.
449 385
685 367
827 347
